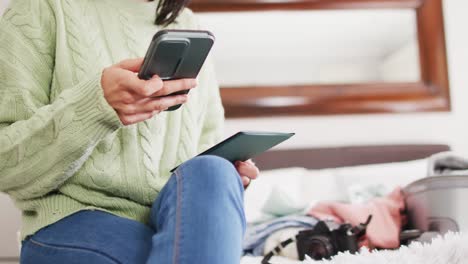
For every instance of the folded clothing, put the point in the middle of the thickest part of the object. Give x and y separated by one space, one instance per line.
387 220
447 164
256 235
290 251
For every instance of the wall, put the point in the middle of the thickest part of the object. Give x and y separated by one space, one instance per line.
332 46
9 225
450 128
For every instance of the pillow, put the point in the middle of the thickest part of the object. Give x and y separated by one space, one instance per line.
340 184
279 191
280 202
385 177
270 183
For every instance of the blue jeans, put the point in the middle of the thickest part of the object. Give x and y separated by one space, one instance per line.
197 218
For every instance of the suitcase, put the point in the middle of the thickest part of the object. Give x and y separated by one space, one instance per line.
438 204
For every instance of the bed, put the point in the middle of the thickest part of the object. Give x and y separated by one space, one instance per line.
321 158
303 168
330 174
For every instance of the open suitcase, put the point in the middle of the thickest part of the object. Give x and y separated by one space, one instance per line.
438 204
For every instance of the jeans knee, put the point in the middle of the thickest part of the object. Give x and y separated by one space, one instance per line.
207 185
212 172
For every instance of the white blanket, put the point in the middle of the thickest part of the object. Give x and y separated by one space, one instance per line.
450 249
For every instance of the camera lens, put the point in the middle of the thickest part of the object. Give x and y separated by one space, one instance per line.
320 247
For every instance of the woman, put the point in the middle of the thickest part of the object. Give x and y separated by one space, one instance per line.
85 149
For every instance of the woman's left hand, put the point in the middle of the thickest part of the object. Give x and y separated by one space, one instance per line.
247 171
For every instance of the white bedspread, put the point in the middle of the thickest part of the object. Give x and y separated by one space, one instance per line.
450 249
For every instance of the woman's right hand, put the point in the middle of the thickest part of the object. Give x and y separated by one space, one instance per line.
137 100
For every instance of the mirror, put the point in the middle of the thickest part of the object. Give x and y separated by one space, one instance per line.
322 57
314 47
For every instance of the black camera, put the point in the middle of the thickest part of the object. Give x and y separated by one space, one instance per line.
324 241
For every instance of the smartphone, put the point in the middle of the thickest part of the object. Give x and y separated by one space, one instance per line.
245 145
176 54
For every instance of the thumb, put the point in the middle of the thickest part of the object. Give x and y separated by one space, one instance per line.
245 180
133 65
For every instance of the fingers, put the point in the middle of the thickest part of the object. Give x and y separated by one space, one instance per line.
170 87
142 88
137 100
152 87
155 87
152 104
132 65
245 180
250 162
248 169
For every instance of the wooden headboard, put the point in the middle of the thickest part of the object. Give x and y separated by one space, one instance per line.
321 158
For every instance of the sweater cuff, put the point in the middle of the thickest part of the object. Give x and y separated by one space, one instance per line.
92 106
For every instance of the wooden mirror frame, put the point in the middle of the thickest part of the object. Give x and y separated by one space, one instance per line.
428 95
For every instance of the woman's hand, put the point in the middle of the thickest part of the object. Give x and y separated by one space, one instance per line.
137 100
247 170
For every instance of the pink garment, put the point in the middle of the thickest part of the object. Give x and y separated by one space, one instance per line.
387 220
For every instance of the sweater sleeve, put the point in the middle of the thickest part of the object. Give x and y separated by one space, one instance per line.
43 142
213 119
213 123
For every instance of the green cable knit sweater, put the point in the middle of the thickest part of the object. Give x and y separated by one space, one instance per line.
62 147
